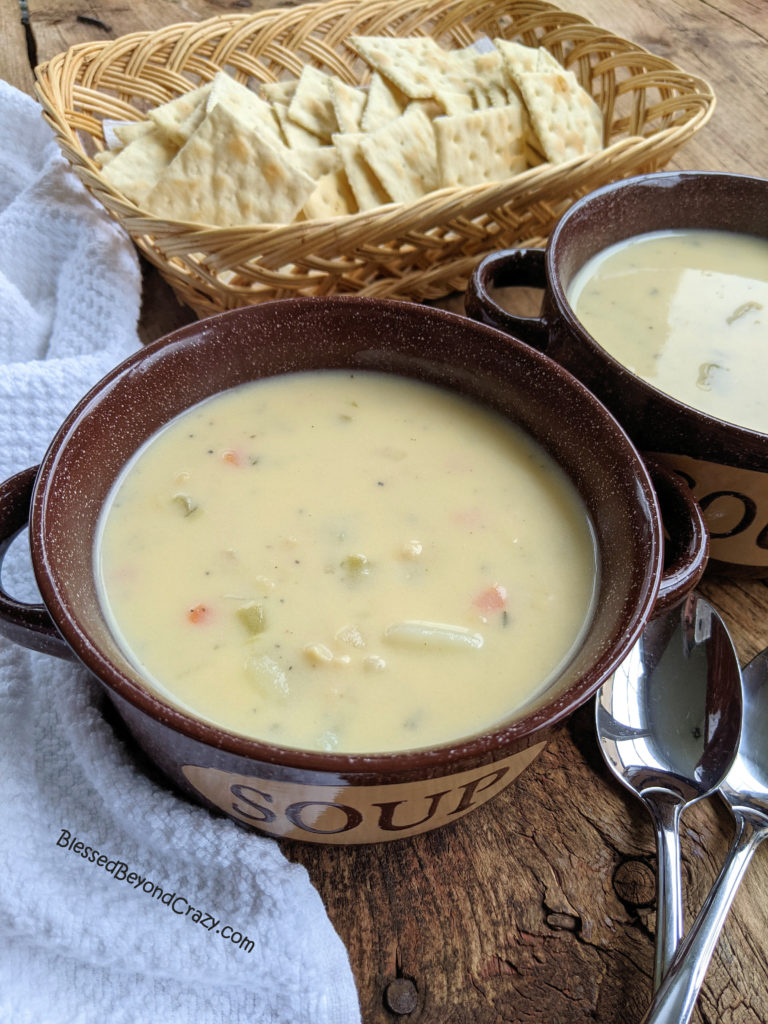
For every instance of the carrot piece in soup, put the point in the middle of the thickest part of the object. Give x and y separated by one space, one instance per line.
199 614
492 599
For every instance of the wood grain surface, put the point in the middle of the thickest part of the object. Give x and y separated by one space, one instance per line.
540 906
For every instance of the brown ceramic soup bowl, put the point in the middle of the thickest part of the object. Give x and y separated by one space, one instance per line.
332 797
725 464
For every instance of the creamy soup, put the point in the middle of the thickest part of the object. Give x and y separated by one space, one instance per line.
346 561
688 312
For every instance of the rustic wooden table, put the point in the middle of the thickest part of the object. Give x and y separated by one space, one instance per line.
539 906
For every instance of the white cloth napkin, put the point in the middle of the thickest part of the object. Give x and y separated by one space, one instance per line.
84 939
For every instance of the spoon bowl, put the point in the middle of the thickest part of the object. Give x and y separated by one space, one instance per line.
745 788
668 722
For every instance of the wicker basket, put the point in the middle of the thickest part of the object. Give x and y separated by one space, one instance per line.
418 250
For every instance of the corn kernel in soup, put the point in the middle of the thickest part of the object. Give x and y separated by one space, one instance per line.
687 311
344 561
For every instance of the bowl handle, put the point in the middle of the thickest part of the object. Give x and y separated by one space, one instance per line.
520 268
686 538
27 624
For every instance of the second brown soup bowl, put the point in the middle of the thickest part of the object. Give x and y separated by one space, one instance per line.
725 464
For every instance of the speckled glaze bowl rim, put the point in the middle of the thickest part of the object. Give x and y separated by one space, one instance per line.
516 734
657 179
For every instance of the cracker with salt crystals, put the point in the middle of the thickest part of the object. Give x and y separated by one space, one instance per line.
366 187
403 156
229 174
414 64
311 105
483 146
348 105
385 102
567 121
332 197
135 168
176 117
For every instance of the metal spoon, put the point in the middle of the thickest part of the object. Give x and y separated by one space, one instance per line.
668 722
745 790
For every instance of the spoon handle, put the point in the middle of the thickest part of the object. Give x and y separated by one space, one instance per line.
676 998
665 810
